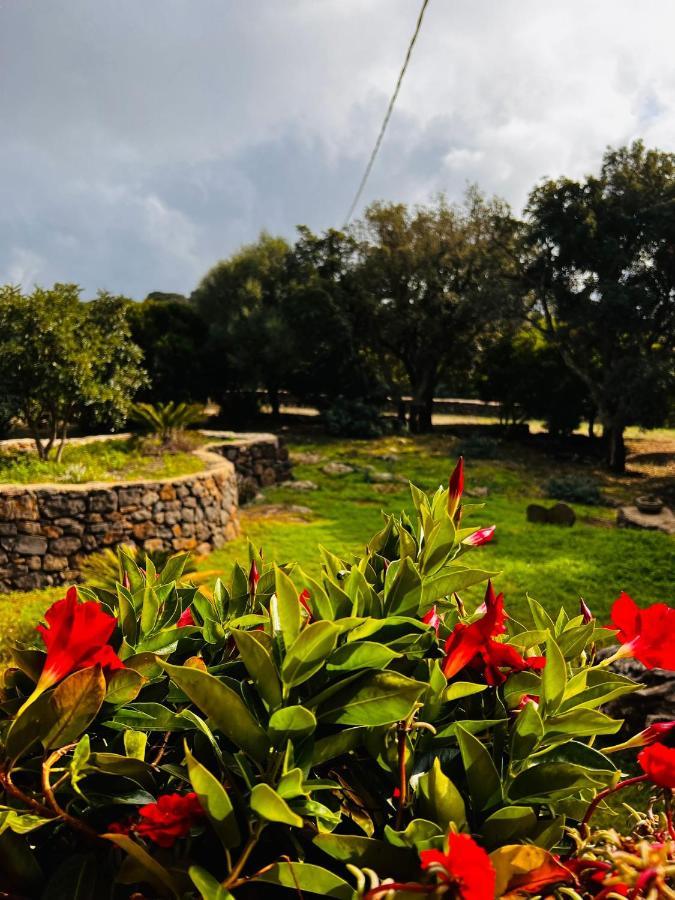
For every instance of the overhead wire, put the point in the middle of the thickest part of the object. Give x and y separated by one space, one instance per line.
387 116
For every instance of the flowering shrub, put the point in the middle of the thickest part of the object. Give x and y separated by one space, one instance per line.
362 734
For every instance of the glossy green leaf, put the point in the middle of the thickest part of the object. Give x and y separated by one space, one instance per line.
375 699
124 686
484 783
549 781
459 689
135 743
285 608
268 805
224 708
291 723
214 801
209 887
439 800
369 853
527 732
75 703
403 592
361 655
510 825
260 666
553 678
451 580
308 652
416 834
299 877
155 874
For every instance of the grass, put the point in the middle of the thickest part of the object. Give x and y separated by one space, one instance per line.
554 564
113 460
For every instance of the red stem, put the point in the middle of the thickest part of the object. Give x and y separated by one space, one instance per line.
638 779
402 775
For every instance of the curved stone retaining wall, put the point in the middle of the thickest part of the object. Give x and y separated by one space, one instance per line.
46 530
260 460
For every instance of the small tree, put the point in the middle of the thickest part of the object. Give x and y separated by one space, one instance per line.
61 358
603 274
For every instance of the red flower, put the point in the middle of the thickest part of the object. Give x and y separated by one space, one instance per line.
303 601
645 633
170 818
432 618
466 867
658 764
456 487
186 619
525 699
585 612
482 536
253 578
77 637
474 645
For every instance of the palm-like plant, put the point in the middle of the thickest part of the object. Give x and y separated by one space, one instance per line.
167 419
105 570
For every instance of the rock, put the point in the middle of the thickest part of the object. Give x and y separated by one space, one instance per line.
655 702
54 563
631 517
337 468
31 545
65 545
560 514
384 477
479 491
248 489
300 485
308 459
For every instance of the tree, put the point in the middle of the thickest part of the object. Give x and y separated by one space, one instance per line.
61 358
172 336
602 271
440 277
242 300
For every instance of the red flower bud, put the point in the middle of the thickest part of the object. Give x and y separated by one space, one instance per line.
186 619
303 601
253 578
456 487
482 536
432 618
585 612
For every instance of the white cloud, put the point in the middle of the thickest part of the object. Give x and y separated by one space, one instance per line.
144 140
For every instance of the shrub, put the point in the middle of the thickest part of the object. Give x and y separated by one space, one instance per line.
358 735
574 489
347 417
478 446
167 420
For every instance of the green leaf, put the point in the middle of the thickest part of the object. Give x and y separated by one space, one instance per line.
551 781
304 877
511 825
209 888
553 679
224 708
417 834
335 745
527 733
214 801
375 699
369 853
308 652
285 608
291 785
156 875
293 723
361 655
453 579
459 689
135 743
260 666
581 723
20 823
540 617
20 868
403 592
148 717
28 728
124 686
74 703
268 805
439 799
482 777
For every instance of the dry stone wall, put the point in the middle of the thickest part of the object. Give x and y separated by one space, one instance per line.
46 530
260 460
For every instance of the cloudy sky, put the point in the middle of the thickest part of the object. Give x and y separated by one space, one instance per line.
142 140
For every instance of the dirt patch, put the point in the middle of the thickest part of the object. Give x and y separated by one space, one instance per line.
278 512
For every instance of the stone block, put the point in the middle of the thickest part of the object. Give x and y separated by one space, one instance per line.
65 545
18 506
55 563
103 501
30 545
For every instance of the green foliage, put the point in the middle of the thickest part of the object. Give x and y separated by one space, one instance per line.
80 359
601 267
479 447
166 420
574 489
354 418
314 737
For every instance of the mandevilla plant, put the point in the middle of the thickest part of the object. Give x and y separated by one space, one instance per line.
363 734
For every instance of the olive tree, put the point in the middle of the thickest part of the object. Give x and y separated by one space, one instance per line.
61 359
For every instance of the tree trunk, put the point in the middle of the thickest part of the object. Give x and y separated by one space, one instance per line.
401 410
615 448
591 425
421 408
275 402
62 443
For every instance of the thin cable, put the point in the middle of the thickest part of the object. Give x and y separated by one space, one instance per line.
390 109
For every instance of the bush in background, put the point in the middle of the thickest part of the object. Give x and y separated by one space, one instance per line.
574 489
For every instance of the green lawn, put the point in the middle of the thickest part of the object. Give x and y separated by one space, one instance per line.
113 460
554 564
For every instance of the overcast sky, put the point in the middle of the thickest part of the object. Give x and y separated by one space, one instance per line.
142 140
